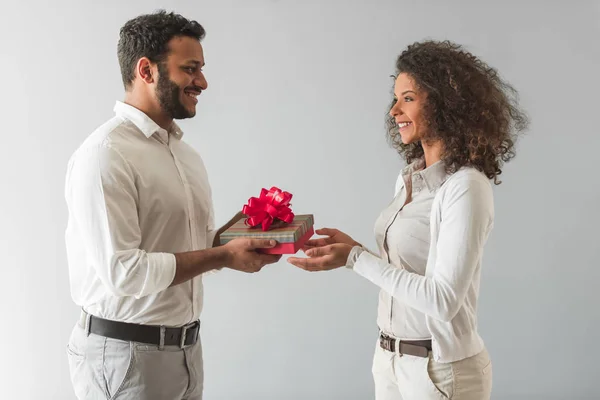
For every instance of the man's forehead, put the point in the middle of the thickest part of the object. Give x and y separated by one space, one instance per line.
186 49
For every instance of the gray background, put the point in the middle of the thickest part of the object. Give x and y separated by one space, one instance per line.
305 85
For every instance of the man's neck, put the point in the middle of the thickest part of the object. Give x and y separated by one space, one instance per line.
152 110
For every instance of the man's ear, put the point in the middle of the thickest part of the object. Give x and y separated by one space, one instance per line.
144 70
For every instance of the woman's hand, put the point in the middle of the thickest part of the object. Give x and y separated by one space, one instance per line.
323 258
333 236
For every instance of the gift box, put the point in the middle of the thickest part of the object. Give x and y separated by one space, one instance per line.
290 237
270 216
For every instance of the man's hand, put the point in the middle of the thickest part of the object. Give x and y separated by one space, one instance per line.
242 254
334 236
323 258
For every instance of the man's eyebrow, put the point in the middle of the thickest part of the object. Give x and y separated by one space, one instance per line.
195 62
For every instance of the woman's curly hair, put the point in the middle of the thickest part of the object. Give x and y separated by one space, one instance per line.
468 107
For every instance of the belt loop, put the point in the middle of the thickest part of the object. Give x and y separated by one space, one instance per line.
161 344
397 347
183 336
88 320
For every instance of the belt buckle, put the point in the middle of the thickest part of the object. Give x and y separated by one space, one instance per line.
386 342
184 330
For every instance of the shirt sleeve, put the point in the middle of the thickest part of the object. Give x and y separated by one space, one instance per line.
103 202
467 218
211 230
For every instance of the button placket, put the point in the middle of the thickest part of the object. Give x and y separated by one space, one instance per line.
191 212
401 200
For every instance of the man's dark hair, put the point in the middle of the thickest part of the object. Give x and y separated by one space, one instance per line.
148 36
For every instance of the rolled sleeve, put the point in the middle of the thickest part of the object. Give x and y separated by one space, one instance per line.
161 268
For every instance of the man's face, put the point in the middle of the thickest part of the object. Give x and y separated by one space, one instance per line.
180 78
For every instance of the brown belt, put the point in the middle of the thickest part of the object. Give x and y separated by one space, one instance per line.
418 348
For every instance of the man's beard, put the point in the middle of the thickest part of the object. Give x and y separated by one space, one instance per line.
169 96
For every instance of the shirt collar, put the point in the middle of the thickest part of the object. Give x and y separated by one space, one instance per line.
433 176
145 123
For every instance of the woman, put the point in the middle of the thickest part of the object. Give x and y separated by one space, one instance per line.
454 121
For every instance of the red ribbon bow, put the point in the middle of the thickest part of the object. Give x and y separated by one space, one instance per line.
272 204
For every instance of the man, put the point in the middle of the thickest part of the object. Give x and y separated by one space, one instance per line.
141 231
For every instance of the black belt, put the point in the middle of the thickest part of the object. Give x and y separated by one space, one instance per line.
184 336
419 348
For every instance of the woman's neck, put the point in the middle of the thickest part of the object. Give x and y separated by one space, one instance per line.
432 152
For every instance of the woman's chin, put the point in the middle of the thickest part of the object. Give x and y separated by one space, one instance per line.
407 140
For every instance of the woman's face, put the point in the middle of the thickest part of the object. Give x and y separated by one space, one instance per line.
408 109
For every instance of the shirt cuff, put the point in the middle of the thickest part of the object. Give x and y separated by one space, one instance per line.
353 256
372 267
